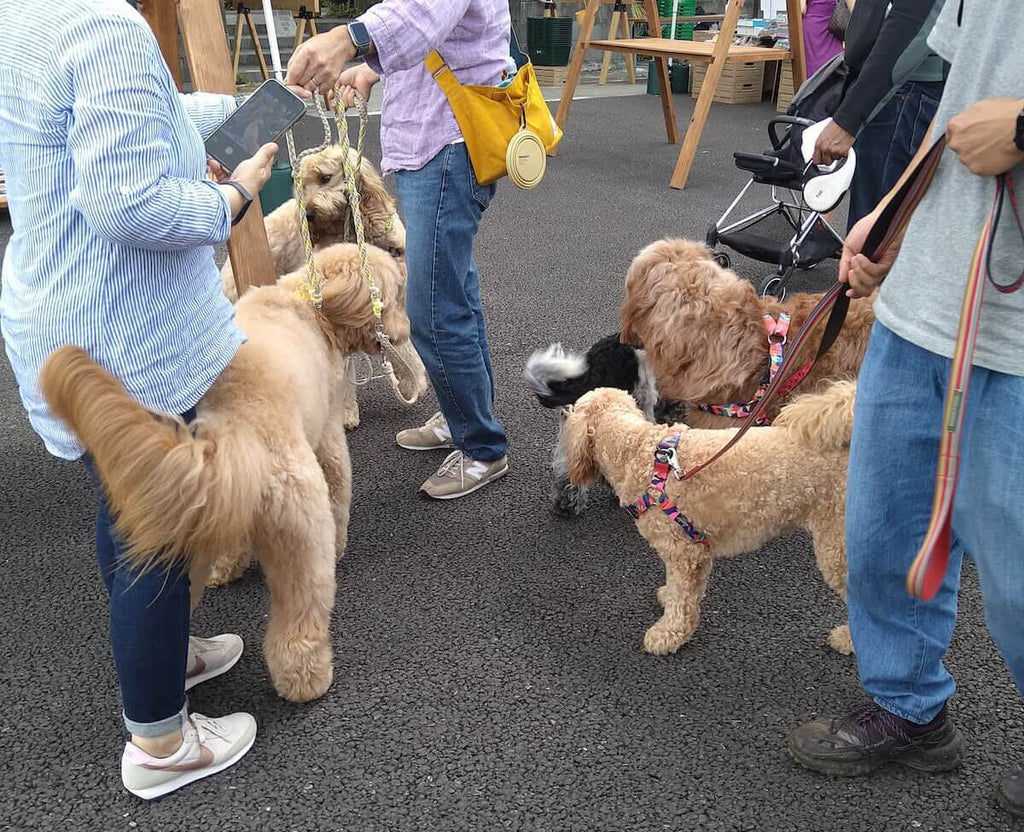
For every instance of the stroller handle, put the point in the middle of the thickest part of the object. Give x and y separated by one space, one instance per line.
793 121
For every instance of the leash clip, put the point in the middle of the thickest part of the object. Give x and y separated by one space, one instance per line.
673 463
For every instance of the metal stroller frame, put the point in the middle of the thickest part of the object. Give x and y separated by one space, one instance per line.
784 170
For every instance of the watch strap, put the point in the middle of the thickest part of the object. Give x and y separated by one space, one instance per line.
1018 136
245 196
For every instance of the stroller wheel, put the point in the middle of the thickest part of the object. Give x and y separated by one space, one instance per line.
723 259
773 286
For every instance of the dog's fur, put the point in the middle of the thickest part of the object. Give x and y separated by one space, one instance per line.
702 329
776 479
328 215
264 466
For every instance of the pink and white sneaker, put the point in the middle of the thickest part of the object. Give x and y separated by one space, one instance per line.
209 746
210 657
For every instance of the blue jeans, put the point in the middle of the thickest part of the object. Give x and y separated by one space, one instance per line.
899 641
887 143
150 615
443 203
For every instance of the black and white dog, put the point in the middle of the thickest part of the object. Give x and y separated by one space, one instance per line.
559 378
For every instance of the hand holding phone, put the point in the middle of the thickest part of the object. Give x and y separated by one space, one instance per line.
270 111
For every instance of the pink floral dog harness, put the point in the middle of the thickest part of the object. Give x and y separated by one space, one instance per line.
664 461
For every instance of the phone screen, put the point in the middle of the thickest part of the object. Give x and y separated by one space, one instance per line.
264 116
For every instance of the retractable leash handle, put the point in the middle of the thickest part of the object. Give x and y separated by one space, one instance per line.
889 225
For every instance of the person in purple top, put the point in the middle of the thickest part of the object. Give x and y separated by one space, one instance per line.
442 203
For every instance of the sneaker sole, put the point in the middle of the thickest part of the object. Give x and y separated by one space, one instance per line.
447 447
206 675
468 491
945 757
154 792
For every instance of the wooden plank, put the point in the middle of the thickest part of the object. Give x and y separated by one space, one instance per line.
209 64
161 17
694 50
722 47
606 61
630 59
796 43
664 82
576 64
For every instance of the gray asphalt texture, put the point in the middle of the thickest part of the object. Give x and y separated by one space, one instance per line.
488 672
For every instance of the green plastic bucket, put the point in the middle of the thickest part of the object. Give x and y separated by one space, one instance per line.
679 77
278 189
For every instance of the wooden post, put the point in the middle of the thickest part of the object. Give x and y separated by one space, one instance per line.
796 43
630 57
161 18
206 50
664 81
576 64
707 93
606 61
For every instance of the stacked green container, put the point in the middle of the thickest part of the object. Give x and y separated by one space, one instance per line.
684 8
549 40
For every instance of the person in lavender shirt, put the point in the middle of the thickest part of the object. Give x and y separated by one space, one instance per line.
442 202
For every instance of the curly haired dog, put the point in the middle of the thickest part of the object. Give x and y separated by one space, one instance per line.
703 333
776 479
328 215
265 465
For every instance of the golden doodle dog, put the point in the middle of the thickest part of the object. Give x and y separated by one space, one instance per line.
776 479
328 215
703 332
264 467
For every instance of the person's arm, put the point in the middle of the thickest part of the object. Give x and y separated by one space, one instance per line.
900 27
207 110
402 32
120 142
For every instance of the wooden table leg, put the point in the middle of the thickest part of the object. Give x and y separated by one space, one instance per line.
796 45
606 61
576 64
664 82
312 26
259 47
300 32
161 17
239 22
707 95
630 57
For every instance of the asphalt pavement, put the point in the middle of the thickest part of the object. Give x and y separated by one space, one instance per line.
488 672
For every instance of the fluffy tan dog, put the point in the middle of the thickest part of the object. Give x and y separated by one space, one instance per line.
702 329
265 466
777 479
328 214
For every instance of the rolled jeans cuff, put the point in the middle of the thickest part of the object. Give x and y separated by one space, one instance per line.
160 727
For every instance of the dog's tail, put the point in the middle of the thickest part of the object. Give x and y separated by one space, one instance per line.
823 419
175 496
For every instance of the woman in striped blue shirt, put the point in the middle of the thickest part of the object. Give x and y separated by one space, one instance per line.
114 221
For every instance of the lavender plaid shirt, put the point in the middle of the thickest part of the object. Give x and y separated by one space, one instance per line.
471 35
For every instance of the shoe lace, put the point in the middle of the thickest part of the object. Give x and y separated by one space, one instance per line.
452 465
207 728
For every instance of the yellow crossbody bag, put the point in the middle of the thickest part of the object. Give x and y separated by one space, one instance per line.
508 130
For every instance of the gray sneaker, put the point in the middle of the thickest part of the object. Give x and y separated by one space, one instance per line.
433 436
460 475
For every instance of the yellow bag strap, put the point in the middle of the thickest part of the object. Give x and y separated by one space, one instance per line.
445 78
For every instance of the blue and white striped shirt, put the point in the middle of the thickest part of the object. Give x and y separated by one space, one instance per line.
114 220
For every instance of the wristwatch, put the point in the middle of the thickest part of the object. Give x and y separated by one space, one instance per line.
360 38
245 196
1018 138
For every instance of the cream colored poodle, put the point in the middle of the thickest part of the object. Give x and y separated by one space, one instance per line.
265 466
777 479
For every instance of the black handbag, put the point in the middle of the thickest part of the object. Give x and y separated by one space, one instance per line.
840 19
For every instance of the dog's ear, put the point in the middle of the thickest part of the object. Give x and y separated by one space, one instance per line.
579 447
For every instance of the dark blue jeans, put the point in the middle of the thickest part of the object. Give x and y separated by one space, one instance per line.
149 625
888 142
443 203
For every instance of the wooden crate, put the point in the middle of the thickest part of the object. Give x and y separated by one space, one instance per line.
551 76
785 87
741 83
702 35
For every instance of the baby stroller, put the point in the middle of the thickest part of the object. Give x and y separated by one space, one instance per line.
790 232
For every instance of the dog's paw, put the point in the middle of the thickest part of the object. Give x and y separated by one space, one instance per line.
839 640
350 419
567 501
301 672
227 569
661 640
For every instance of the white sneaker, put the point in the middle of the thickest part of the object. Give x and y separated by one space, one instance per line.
210 657
210 745
433 435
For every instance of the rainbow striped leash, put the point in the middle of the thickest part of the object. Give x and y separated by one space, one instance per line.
665 460
834 303
932 562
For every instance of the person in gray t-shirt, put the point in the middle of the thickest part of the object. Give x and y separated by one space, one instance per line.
899 641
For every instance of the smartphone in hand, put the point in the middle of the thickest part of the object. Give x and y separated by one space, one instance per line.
264 116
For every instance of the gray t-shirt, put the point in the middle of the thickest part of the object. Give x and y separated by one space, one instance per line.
920 300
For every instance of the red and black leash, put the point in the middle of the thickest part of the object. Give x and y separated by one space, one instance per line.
835 303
